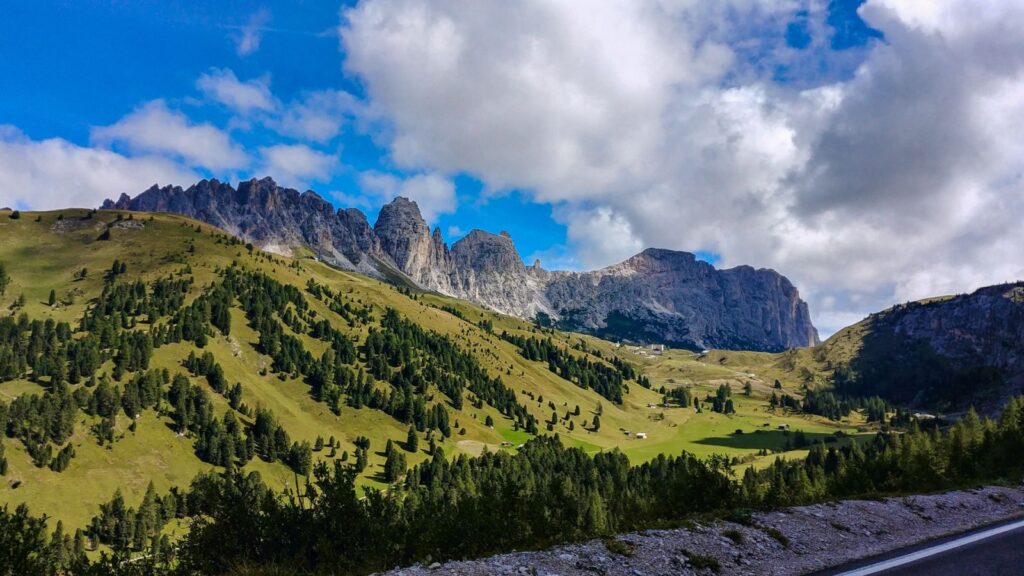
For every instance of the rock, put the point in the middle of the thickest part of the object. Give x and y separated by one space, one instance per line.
657 296
920 353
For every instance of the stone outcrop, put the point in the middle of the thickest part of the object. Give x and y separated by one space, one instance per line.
656 296
939 354
274 218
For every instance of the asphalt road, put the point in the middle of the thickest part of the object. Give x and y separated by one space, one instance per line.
991 551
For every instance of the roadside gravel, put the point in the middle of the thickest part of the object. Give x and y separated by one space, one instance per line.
787 542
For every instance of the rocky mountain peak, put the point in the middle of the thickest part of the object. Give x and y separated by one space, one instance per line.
404 234
658 295
485 252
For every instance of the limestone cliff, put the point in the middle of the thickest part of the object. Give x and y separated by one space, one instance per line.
656 296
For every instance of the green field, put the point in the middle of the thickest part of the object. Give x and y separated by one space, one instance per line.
43 252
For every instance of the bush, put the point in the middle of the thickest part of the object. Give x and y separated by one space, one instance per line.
775 534
620 547
702 562
735 535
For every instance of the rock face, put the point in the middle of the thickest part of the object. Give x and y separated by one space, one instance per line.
274 218
668 296
943 353
656 296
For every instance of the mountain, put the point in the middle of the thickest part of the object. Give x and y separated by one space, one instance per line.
132 343
943 353
656 296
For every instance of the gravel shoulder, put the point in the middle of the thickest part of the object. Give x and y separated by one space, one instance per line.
793 541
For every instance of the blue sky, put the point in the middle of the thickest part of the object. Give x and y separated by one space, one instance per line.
97 61
71 66
837 141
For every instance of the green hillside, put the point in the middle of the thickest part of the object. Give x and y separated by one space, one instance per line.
321 354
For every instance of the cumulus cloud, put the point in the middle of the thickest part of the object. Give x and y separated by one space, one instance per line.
433 193
318 116
665 124
54 173
600 233
296 165
221 85
156 129
248 37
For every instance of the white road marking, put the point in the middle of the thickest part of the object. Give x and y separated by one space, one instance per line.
915 556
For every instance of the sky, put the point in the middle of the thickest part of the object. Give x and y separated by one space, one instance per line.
871 151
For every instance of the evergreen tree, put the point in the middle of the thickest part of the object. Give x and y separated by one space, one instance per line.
5 279
412 440
394 466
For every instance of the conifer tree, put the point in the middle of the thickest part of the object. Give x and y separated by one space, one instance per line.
412 440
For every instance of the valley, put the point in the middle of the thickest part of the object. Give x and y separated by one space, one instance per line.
46 252
171 394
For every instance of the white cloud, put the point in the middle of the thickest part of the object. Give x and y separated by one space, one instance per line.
248 38
221 85
434 194
602 234
296 165
662 124
54 173
154 128
318 116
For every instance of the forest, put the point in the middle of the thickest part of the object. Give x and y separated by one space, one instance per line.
446 507
474 506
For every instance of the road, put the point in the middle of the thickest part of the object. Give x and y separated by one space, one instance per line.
991 551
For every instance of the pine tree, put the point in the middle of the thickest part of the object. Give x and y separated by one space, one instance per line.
412 440
53 298
5 279
394 466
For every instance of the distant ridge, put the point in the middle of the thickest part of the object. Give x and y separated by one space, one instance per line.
658 295
942 353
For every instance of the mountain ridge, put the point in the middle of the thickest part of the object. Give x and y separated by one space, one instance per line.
657 295
945 352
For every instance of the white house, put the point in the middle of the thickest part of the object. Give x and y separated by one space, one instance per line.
641 435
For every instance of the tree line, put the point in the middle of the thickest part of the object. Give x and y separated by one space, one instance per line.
468 507
608 381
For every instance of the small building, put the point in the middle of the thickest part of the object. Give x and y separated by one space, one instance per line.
641 435
783 426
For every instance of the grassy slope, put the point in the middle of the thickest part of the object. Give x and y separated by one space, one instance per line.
40 259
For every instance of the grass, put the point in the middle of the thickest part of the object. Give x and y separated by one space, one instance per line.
45 255
703 562
735 535
776 535
620 547
153 453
